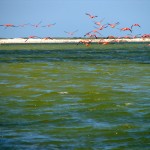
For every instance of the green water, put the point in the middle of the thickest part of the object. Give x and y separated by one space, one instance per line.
74 97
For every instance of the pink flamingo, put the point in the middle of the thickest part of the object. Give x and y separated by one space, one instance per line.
113 25
8 25
47 38
135 25
71 33
126 29
36 25
145 36
49 25
99 23
31 37
101 27
111 37
85 42
90 35
91 16
23 25
127 37
95 31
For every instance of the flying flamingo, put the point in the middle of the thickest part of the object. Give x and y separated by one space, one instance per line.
101 27
99 23
90 35
113 25
91 16
93 36
36 25
23 25
8 25
135 25
71 33
49 25
95 31
31 37
126 29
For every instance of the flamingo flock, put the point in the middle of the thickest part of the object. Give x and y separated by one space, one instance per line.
95 33
90 35
37 25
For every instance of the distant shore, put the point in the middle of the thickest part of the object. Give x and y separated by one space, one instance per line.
64 40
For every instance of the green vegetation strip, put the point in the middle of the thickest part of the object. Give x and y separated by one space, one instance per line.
73 46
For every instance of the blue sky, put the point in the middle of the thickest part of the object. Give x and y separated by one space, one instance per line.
69 15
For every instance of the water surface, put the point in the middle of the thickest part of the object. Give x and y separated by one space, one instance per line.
75 99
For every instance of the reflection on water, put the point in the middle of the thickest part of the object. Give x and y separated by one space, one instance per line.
74 99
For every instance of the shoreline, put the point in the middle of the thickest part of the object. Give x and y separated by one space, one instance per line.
34 41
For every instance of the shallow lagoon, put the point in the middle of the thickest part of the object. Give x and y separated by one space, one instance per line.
75 97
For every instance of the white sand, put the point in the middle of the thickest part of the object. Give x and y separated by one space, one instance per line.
22 41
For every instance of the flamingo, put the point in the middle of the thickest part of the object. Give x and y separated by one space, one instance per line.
126 29
113 25
71 33
47 38
85 42
90 35
23 25
93 36
103 42
101 27
36 25
8 25
95 31
145 36
135 25
99 23
31 37
127 37
91 16
111 37
49 25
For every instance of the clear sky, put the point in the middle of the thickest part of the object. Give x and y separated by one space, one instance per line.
69 15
